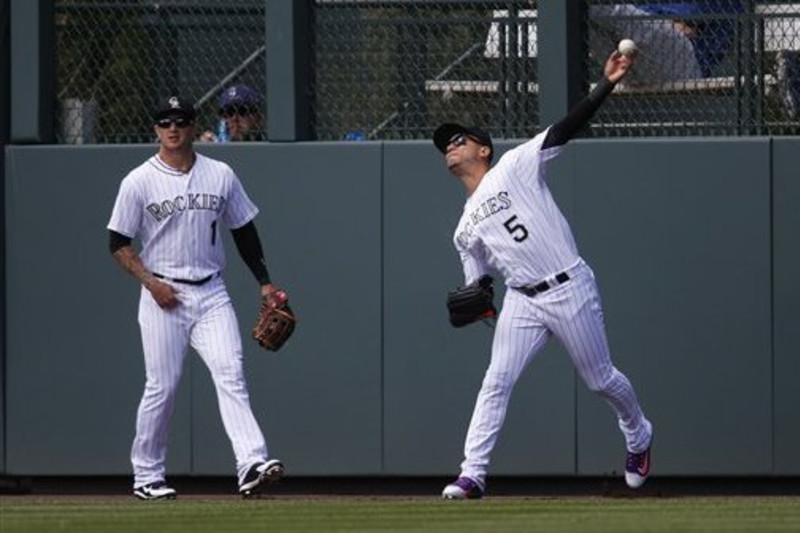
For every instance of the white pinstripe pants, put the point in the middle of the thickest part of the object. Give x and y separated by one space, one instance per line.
572 312
204 320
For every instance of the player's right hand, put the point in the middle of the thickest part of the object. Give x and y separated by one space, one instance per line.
617 66
164 294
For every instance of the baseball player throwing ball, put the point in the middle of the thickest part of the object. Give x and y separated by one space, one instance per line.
512 225
176 202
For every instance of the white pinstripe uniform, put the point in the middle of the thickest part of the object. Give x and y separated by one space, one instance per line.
176 215
511 224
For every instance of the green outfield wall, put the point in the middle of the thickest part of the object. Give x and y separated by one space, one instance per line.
694 243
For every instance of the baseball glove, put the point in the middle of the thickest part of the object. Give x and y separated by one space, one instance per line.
472 302
276 321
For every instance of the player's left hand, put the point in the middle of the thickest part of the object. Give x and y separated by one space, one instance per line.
276 320
472 302
617 66
268 290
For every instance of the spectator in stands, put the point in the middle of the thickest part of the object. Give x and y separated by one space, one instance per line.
239 116
678 41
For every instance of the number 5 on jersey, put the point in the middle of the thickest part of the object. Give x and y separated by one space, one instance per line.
516 229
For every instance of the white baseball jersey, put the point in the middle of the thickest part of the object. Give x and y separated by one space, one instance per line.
511 222
177 215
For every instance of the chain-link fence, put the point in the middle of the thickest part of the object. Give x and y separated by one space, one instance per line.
117 59
383 69
395 70
706 67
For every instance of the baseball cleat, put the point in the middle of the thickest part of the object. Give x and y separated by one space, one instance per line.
637 468
464 488
155 491
258 475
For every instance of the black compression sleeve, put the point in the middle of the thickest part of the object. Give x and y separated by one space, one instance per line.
565 129
249 246
117 240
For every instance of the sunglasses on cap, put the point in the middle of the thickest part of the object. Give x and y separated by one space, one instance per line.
169 121
232 110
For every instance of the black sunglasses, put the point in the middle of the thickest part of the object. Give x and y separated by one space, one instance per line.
178 121
460 139
241 110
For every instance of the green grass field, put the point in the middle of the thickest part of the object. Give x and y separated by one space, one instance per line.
494 515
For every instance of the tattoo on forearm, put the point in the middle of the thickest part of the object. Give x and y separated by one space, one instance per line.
130 261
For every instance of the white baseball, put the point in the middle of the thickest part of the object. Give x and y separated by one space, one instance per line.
626 47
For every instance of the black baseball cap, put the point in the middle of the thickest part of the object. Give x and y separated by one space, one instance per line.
175 106
445 132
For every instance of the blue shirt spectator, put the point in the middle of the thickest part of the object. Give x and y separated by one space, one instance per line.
708 26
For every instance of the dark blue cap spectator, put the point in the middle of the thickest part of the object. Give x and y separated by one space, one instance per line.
238 95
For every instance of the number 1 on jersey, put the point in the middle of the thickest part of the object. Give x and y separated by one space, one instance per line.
213 233
518 231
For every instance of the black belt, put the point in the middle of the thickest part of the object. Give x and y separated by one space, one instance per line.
533 290
189 281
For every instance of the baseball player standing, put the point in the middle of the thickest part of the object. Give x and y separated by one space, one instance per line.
512 225
176 202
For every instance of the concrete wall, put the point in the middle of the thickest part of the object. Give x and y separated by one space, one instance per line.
693 243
